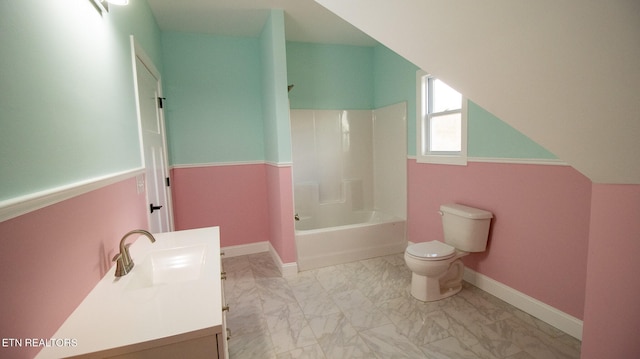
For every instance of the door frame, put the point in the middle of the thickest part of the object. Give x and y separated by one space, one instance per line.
138 53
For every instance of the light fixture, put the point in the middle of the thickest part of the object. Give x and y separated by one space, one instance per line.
117 2
103 5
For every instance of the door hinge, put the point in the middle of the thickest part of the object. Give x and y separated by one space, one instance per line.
168 182
161 101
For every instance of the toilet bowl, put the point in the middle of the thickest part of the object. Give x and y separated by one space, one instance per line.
437 266
437 270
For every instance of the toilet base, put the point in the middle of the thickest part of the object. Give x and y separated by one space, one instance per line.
429 290
437 283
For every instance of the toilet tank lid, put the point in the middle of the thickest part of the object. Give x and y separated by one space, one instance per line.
465 211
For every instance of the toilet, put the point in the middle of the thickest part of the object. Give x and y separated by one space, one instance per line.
437 266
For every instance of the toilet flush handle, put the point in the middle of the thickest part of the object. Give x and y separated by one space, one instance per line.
441 213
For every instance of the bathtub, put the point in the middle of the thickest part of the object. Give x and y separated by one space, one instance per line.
332 240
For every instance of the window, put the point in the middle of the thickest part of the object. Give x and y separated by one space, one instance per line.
441 123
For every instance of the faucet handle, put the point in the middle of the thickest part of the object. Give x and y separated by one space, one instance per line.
123 256
120 267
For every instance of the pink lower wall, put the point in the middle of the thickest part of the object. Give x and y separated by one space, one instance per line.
556 237
540 233
50 259
233 197
612 309
281 212
250 202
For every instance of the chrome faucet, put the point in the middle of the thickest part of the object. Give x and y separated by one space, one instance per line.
123 260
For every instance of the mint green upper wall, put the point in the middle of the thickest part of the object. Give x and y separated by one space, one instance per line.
213 111
274 90
67 104
226 96
330 76
490 137
394 79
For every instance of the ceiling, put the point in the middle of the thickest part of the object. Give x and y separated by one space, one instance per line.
305 20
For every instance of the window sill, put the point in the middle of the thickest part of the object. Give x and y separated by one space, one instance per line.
443 160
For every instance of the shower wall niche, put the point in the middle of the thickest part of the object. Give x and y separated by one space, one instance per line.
349 160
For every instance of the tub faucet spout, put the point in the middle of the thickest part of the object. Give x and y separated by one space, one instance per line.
123 260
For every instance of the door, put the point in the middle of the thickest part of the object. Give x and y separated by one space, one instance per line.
153 142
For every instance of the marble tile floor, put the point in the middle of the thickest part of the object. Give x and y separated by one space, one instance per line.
364 310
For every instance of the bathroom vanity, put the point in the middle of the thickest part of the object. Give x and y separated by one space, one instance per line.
170 305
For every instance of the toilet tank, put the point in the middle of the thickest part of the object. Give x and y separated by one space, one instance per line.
465 228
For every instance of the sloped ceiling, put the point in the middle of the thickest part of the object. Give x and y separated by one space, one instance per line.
565 73
305 20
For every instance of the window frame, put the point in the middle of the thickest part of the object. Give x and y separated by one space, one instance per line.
423 155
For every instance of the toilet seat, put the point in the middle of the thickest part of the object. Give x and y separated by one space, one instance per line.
431 251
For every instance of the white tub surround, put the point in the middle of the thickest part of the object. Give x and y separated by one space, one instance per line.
179 310
350 184
351 159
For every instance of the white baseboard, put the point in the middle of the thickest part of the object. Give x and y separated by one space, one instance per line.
286 269
532 306
244 249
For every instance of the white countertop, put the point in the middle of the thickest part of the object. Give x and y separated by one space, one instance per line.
115 319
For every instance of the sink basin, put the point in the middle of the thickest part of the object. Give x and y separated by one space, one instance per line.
168 266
